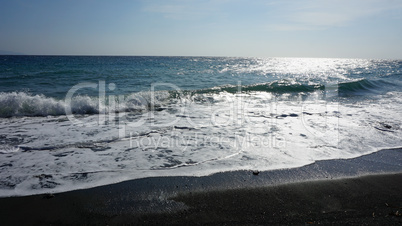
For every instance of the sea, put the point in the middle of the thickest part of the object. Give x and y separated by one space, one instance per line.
75 122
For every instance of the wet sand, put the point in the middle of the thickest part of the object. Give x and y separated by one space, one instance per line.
363 200
326 192
375 199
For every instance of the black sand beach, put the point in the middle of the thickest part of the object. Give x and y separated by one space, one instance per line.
360 191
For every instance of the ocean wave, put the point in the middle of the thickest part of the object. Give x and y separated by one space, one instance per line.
25 104
363 87
280 87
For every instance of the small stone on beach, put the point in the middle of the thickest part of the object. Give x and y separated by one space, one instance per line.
48 196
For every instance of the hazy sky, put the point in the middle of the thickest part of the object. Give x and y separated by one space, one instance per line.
282 28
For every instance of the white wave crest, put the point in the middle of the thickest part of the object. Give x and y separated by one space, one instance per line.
25 104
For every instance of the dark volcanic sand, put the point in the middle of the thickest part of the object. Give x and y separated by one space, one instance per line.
373 199
364 200
305 195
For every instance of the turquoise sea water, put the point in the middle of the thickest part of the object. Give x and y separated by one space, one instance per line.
69 122
52 76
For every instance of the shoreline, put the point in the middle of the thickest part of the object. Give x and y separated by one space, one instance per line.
345 189
380 162
374 199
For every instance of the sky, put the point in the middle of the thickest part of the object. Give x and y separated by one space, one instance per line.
239 28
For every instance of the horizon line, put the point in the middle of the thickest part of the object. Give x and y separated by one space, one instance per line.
112 55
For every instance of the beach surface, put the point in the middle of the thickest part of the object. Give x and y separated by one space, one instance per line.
363 190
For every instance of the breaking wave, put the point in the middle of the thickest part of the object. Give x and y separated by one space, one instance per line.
363 87
25 104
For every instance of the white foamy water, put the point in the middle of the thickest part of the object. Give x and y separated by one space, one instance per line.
193 136
77 122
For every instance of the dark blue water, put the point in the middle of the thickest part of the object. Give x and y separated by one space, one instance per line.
53 76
